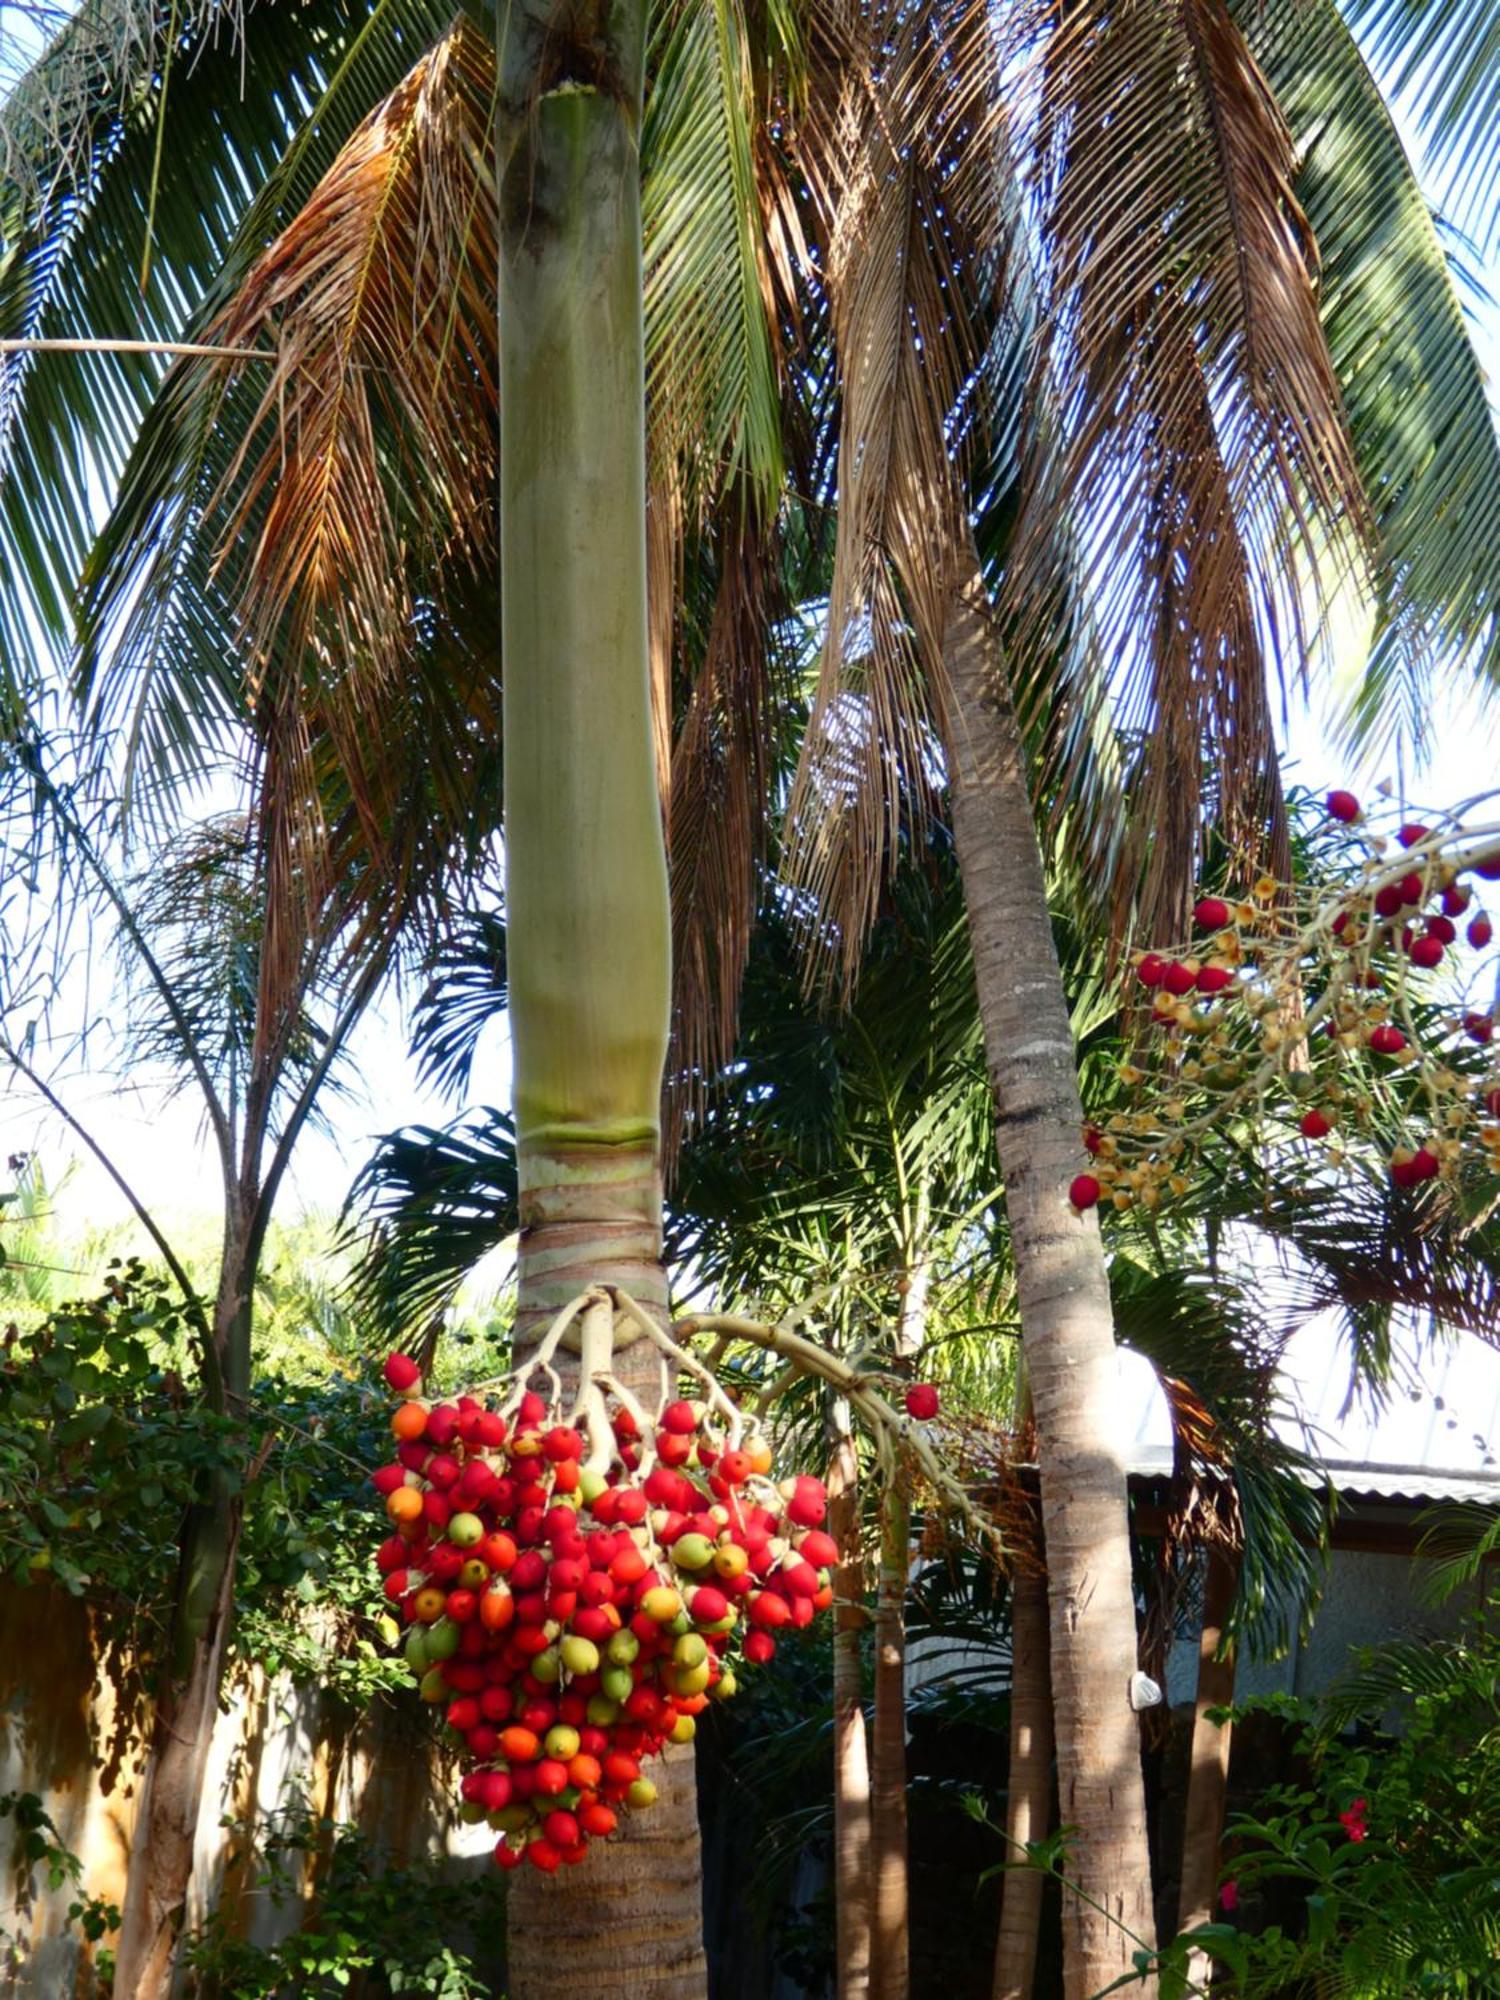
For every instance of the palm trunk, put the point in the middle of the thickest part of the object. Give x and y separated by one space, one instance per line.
892 1942
166 1826
1063 1293
586 881
851 1766
1028 1803
1208 1770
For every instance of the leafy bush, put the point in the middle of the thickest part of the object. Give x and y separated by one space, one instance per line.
389 1930
1392 1845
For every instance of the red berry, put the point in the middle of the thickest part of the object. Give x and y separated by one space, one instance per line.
1386 1040
681 1419
1093 1139
1427 952
1315 1125
1084 1192
1442 928
1492 1102
1179 979
1411 833
1456 899
1480 931
1424 1164
922 1398
1212 913
1479 1027
1343 806
1488 865
1151 969
1214 978
1388 900
1413 888
401 1372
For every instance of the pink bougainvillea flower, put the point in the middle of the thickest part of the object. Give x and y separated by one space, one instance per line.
1229 1896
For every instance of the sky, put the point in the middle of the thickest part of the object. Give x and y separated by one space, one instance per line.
161 1143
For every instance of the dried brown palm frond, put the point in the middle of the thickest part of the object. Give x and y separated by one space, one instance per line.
895 283
379 301
721 795
1189 501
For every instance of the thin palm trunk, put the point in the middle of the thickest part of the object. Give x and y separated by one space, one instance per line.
1063 1293
1208 1770
892 1942
851 1761
1028 1803
586 882
166 1826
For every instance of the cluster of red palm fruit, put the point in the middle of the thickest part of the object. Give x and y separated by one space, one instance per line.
576 1621
1231 1010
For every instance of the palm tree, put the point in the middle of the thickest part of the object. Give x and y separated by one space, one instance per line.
1194 445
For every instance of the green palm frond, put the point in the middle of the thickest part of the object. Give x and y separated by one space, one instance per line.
1421 420
1460 1546
1443 58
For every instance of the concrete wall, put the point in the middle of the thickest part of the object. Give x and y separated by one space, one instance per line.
71 1732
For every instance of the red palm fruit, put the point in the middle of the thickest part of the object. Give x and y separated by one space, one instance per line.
769 1610
603 1505
542 1854
492 1428
1388 901
735 1467
401 1372
442 1424
483 1741
1456 899
469 1414
1151 969
1425 1164
1387 1040
530 1640
442 1470
592 1740
1488 865
824 1599
551 1777
436 1511
1084 1192
476 1483
1480 931
803 1612
630 1508
629 1566
1343 806
1179 978
531 1607
463 1713
808 1504
496 1704
680 1418
922 1402
1315 1125
567 1573
386 1478
1214 978
708 1605
1479 1027
1093 1139
497 1607
560 1524
644 1704
799 1579
396 1585
530 1571
462 1605
413 1454
821 1550
568 1476
562 1442
760 1648
584 1771
1211 913
506 1856
531 1413
672 1448
495 1790
620 1769
561 1828
1413 888
1442 928
1427 952
1411 833
598 1820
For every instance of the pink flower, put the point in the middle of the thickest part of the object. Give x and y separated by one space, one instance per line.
1229 1895
1352 1819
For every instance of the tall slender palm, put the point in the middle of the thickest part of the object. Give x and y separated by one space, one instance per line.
1195 443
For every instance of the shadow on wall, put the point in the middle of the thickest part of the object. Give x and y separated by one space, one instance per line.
72 1723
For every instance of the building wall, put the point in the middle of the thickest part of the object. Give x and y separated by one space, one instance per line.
69 1733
